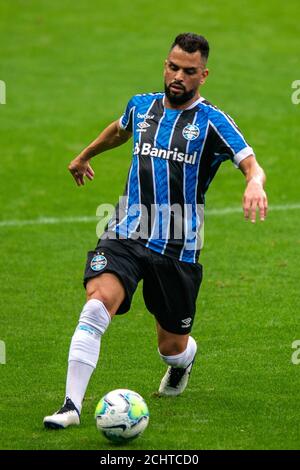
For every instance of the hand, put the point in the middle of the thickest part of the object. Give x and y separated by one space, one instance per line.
80 167
255 197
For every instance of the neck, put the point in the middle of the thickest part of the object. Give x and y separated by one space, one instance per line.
185 105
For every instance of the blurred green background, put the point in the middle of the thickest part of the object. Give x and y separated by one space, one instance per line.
70 68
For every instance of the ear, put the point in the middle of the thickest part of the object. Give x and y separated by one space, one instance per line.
165 67
204 76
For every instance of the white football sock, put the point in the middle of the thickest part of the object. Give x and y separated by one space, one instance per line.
85 349
78 377
183 359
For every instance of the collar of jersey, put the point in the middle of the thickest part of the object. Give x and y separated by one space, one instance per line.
199 100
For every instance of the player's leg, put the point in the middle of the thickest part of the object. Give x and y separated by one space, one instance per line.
178 352
111 277
105 293
170 292
170 344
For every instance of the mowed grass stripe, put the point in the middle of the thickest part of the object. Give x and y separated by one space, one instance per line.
87 219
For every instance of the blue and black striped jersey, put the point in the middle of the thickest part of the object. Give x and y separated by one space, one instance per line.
176 154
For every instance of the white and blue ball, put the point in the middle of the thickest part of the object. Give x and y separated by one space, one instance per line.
122 415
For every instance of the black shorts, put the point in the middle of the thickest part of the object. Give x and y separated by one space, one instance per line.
170 287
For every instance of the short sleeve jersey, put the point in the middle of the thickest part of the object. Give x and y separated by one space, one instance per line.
176 154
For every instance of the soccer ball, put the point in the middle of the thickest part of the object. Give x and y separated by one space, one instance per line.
122 415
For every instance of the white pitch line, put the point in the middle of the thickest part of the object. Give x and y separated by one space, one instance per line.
89 219
236 210
47 221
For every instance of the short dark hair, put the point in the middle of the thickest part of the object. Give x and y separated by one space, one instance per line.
191 42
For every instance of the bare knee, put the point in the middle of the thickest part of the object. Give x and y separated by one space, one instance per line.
172 346
97 292
107 288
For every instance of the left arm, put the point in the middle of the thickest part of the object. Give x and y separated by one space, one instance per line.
254 195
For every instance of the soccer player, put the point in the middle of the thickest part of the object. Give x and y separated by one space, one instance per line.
179 141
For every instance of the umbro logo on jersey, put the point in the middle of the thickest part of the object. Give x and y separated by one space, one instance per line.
191 132
186 322
142 126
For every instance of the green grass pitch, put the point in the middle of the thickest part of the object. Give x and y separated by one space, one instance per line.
70 68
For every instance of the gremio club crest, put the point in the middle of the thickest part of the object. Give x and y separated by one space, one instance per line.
191 132
98 262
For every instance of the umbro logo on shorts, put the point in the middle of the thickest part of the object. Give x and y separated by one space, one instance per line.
186 322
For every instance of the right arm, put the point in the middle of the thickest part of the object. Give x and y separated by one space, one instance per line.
111 137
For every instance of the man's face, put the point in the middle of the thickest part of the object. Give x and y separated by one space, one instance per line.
184 73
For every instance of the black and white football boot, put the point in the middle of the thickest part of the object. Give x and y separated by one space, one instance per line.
68 415
175 380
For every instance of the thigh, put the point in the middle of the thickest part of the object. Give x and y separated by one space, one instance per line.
108 288
114 258
170 293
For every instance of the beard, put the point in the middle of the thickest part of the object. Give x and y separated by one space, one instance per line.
179 99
